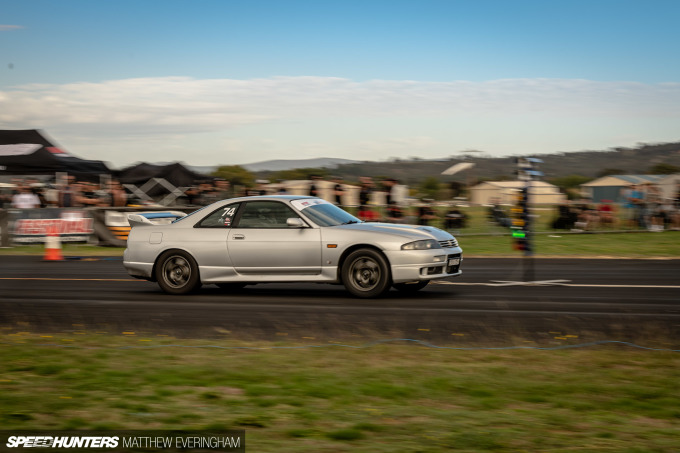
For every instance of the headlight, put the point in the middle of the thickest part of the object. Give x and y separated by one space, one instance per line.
428 244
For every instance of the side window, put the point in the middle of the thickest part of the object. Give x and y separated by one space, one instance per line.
222 218
265 214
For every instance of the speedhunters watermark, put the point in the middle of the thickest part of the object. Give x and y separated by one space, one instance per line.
124 441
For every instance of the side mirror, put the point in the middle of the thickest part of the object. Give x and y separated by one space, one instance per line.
295 222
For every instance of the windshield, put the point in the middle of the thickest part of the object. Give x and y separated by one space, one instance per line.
323 213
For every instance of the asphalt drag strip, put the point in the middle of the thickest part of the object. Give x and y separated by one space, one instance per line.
566 301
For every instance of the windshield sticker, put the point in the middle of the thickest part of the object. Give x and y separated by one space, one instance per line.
306 203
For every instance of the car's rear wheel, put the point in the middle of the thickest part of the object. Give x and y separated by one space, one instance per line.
177 272
366 274
411 287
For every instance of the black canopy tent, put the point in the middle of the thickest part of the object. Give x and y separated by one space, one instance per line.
149 181
29 152
176 174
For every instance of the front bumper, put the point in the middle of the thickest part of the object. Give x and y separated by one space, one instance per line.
414 265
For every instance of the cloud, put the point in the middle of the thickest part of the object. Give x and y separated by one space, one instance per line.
10 27
194 105
165 110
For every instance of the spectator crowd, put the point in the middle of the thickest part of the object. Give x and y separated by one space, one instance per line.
31 193
643 208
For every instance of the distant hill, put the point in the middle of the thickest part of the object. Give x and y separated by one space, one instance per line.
413 171
277 165
584 163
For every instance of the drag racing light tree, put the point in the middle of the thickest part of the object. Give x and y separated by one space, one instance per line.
520 221
521 218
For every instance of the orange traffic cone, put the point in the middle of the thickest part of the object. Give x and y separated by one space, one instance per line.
53 245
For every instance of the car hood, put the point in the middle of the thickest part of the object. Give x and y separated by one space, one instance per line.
415 232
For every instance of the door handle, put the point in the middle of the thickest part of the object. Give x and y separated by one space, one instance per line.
238 236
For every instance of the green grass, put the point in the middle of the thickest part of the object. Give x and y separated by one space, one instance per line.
379 399
633 245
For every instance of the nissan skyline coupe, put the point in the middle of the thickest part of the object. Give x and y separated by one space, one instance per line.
271 239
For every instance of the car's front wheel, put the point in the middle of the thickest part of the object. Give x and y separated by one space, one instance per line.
411 287
366 274
177 272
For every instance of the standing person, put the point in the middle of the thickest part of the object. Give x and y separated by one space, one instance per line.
69 195
605 211
114 195
106 195
223 189
454 219
38 190
314 189
636 202
5 200
338 191
88 194
193 196
389 184
120 196
365 212
393 200
25 199
674 211
51 193
425 213
654 213
208 194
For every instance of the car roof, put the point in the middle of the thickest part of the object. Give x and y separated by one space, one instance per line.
266 198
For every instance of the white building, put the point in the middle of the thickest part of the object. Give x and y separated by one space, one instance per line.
504 192
350 196
612 187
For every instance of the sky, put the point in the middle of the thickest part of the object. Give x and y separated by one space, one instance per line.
226 82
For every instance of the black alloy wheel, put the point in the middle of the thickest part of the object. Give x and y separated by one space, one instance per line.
366 274
177 272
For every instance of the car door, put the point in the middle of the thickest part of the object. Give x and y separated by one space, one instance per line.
208 243
262 243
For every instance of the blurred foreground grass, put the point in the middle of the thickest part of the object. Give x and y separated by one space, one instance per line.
634 245
384 398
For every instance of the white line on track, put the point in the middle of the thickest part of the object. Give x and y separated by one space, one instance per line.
74 279
575 285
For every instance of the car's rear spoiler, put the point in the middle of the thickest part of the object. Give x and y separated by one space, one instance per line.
153 218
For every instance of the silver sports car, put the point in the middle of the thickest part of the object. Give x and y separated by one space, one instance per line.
245 241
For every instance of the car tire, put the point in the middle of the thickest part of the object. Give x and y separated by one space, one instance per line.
366 274
177 272
411 287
